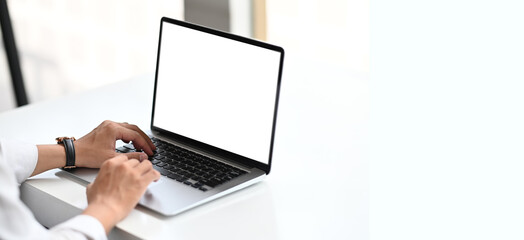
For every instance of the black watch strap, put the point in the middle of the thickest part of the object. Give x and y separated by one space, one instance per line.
69 150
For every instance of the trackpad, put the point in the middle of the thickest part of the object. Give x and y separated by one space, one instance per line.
154 184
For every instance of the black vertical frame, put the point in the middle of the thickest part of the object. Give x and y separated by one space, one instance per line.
12 55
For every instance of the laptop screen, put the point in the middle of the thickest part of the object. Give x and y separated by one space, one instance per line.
216 90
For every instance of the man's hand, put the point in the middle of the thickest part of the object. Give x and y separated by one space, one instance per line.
118 188
95 147
99 145
120 182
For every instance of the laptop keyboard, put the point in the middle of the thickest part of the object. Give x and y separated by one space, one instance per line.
188 167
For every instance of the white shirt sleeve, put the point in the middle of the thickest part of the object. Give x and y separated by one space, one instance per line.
17 162
20 157
79 227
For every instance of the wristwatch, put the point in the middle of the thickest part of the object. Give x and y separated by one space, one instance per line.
69 149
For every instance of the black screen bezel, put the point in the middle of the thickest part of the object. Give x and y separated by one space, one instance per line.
203 146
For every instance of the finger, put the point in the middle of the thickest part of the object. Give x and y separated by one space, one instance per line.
132 163
136 155
151 175
118 159
137 129
139 142
144 167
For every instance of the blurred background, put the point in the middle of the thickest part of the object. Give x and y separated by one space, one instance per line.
70 46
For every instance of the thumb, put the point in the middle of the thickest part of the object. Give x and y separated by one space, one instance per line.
140 156
88 188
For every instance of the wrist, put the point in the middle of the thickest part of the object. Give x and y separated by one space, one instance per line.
69 146
86 156
49 157
105 214
80 155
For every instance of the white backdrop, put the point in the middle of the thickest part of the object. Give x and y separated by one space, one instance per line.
66 47
446 150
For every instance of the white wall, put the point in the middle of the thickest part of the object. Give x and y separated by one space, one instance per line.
335 30
70 46
447 118
325 80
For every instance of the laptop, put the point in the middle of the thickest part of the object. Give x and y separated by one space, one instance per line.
214 113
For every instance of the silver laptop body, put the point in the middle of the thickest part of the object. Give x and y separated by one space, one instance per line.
216 94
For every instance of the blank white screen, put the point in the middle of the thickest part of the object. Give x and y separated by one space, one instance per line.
217 91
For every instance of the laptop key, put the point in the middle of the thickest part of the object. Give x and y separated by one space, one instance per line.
161 170
197 185
122 150
211 183
130 146
192 176
190 168
172 175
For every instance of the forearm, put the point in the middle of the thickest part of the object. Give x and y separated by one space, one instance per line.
49 157
54 156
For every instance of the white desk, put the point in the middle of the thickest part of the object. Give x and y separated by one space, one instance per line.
317 188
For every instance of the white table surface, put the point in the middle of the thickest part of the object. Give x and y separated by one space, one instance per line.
317 188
